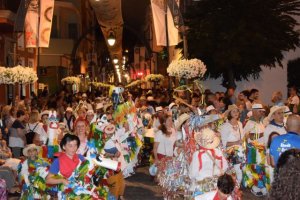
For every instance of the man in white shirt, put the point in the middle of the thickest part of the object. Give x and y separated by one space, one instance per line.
254 128
275 117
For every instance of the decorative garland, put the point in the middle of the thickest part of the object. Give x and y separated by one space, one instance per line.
134 83
154 78
17 74
100 84
70 80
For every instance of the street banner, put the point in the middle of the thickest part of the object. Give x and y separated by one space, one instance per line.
158 13
31 24
37 32
46 16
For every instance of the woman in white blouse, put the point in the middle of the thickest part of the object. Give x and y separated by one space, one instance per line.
232 135
164 140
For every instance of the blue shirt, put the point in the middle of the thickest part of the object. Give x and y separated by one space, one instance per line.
283 143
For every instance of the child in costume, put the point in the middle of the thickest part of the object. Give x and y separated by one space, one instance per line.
32 173
71 172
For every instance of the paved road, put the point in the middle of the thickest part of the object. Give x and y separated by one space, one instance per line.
140 186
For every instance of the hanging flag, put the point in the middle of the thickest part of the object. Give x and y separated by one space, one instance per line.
37 31
20 16
158 12
175 11
47 7
31 24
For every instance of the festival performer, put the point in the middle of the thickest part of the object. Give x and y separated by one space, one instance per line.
69 119
91 117
172 174
112 149
164 140
70 171
255 176
32 173
81 129
208 163
232 135
275 118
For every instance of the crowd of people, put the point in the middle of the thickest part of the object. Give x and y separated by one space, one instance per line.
205 145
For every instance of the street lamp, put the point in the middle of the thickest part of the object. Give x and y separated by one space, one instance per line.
111 40
115 60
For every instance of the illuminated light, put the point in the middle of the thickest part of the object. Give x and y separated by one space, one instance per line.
117 66
111 40
115 60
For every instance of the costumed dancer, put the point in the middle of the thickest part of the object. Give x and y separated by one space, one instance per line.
174 178
254 176
112 149
51 146
70 172
232 135
32 173
208 163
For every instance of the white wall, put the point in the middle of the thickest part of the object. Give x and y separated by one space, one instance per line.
270 80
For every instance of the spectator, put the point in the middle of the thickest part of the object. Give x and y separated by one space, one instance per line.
277 98
275 117
293 100
287 176
287 141
17 139
254 96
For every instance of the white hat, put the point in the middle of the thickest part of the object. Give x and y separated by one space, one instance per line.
90 112
159 109
273 110
207 138
257 106
84 95
287 110
28 147
150 98
99 106
45 112
69 109
172 105
230 108
210 108
181 119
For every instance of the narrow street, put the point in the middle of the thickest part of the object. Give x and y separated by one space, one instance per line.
140 186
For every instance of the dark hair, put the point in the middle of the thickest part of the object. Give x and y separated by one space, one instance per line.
163 126
69 138
226 184
287 176
271 138
287 157
246 93
20 113
252 91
